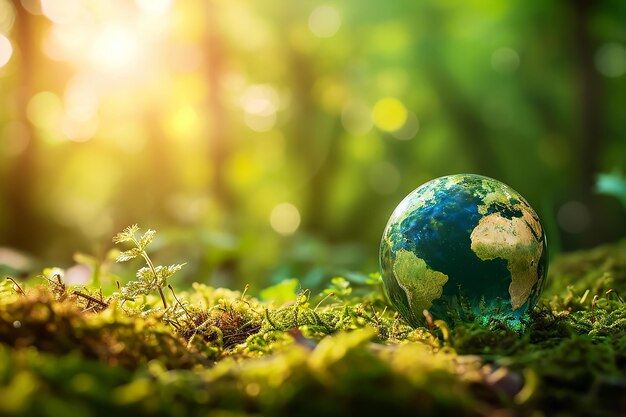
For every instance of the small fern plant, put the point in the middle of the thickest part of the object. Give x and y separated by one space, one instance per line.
150 278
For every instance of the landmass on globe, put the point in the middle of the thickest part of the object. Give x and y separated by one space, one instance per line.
463 246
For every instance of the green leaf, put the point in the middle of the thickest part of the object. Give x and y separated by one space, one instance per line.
282 292
340 287
146 239
127 235
164 272
128 255
145 274
174 268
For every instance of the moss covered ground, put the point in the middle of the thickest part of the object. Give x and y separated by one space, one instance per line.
69 351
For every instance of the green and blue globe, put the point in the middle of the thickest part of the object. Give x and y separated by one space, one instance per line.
463 247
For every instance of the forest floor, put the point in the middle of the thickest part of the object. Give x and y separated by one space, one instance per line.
68 351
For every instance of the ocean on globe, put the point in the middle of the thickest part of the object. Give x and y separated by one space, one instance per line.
463 247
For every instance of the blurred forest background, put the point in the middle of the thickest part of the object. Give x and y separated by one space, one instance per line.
271 139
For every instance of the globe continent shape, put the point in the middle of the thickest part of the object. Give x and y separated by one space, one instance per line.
463 247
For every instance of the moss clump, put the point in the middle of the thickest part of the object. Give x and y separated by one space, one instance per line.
39 320
219 351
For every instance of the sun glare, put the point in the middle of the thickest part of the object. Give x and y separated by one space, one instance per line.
115 49
6 50
110 42
62 11
155 7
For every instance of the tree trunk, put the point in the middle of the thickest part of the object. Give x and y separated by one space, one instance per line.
22 222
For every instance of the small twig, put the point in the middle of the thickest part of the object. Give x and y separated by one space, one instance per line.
58 283
91 299
332 294
178 301
87 309
594 302
162 297
242 298
17 286
375 316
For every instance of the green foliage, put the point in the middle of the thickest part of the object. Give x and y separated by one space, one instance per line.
149 279
403 92
281 292
612 184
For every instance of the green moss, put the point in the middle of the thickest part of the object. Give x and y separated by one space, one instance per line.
220 351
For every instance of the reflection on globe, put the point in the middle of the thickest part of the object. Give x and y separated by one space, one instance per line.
463 247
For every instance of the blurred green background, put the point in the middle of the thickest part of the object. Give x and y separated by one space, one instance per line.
271 139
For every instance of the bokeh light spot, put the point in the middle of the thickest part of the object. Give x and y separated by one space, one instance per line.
384 177
115 49
573 217
366 148
81 101
67 42
285 218
242 170
184 123
356 117
389 114
7 16
61 11
45 110
409 129
324 21
6 50
78 130
260 104
505 60
610 60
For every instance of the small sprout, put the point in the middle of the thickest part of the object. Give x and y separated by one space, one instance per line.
584 297
245 290
444 330
429 320
614 291
149 278
594 302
